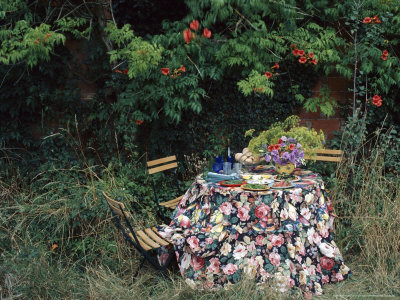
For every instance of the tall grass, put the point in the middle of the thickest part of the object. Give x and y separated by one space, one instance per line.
367 202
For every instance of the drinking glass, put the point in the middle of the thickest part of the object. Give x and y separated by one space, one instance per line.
227 168
237 167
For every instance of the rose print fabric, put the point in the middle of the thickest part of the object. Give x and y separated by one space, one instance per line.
285 236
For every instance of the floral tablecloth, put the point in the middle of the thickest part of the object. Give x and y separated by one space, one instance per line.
282 236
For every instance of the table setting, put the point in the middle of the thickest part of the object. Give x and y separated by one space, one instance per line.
266 223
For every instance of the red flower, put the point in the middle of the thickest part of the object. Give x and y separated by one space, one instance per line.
268 74
367 20
301 52
194 25
385 53
377 20
291 146
314 61
280 141
187 35
275 66
165 71
383 57
327 263
262 211
311 55
183 69
37 42
295 52
377 100
302 60
197 262
125 71
139 122
277 147
206 33
270 148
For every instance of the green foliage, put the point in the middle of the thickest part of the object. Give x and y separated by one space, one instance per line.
308 138
140 56
323 101
75 26
256 81
27 44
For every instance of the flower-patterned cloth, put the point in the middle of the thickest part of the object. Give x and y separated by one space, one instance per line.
282 236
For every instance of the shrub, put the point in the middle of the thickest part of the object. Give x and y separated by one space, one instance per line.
308 138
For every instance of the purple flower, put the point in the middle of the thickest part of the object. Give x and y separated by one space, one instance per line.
267 158
284 138
283 145
291 140
276 159
292 158
301 154
298 145
285 155
274 153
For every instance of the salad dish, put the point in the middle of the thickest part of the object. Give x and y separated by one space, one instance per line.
286 177
254 187
232 182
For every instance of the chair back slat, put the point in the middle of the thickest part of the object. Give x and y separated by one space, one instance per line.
326 158
117 206
326 155
160 161
163 168
329 151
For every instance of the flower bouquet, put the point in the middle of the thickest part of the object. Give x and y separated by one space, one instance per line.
286 154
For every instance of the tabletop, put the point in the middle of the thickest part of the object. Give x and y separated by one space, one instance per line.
281 236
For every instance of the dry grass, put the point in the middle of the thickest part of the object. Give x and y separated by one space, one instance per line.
369 214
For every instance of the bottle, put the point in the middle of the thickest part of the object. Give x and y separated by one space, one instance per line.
229 157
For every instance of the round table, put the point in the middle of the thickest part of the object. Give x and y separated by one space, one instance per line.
280 236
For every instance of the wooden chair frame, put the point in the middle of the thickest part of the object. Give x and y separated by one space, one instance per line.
160 165
142 241
327 155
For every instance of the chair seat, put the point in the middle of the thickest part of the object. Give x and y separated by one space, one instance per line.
171 204
149 239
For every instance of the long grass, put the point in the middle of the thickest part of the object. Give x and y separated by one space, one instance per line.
368 204
57 241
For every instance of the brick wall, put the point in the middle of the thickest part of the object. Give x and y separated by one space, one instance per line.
339 90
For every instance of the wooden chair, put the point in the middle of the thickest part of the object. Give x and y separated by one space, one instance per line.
142 240
160 165
326 155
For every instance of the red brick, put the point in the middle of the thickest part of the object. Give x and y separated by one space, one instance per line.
338 84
